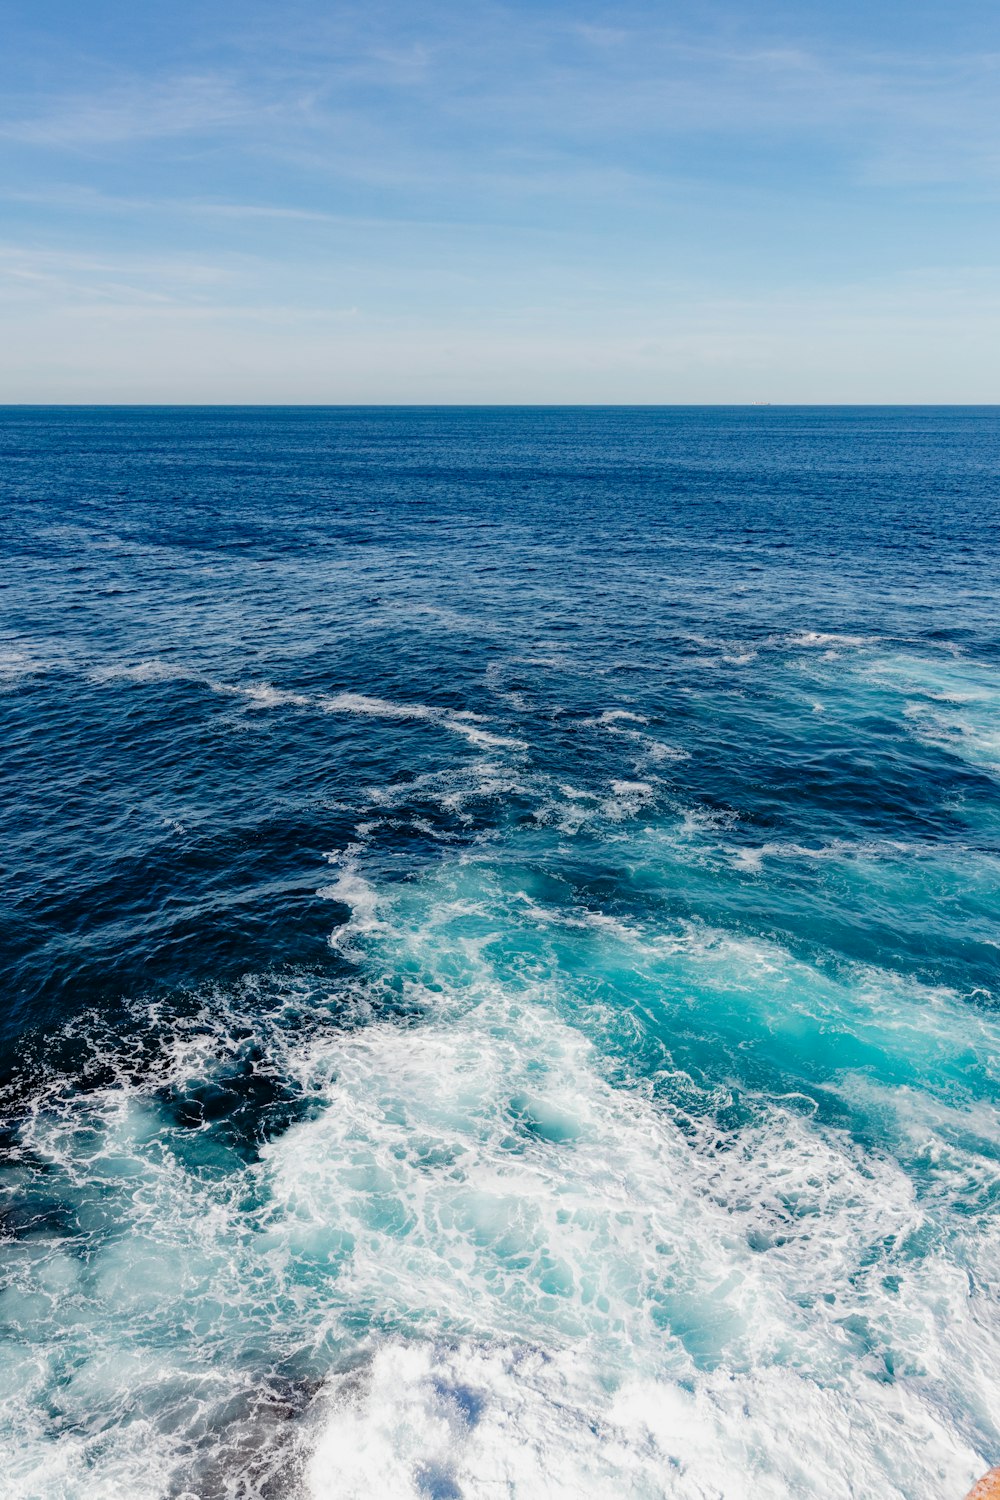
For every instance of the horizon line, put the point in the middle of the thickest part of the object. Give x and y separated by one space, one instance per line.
493 405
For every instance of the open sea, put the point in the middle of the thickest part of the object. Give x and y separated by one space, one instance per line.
501 931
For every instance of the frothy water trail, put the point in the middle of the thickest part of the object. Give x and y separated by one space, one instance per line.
492 1254
624 1298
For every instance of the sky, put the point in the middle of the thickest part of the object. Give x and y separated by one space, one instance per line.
726 201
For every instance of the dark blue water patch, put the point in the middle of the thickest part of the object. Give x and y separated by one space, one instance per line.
242 1091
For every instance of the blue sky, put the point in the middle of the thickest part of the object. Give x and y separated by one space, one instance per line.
521 202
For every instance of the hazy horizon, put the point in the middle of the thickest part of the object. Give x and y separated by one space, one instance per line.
497 405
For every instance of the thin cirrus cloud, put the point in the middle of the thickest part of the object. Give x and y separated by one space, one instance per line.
450 177
870 104
134 110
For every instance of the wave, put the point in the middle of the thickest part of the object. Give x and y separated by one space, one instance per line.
482 1261
264 695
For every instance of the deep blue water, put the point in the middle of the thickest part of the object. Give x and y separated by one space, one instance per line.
500 912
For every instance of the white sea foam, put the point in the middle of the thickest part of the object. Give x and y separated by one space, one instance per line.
495 678
377 708
953 680
652 751
751 857
352 890
977 742
696 821
627 799
482 738
263 695
480 1420
24 660
464 724
655 752
152 669
952 703
564 1292
515 1267
826 639
533 1281
614 716
155 670
457 787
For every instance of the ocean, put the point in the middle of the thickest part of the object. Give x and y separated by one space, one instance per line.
501 923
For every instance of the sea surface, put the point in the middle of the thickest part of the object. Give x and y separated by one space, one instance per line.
501 930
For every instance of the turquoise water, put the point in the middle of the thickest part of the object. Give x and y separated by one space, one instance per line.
502 933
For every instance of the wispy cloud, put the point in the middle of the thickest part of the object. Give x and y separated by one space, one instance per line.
73 277
134 110
452 107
